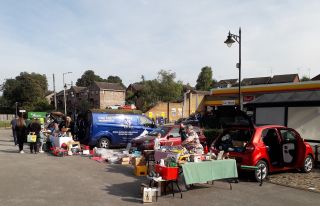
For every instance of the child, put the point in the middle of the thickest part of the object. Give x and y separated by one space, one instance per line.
157 142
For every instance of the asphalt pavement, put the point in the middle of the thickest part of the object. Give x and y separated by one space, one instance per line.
42 179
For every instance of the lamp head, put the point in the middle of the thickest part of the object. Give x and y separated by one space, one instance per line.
229 40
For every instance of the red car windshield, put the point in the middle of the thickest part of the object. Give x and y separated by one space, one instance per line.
162 130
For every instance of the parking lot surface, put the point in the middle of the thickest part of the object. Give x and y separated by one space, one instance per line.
42 179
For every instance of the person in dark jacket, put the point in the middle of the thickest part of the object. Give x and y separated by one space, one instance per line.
182 132
13 127
35 128
21 132
67 123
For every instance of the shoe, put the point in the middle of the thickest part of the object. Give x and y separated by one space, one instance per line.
41 151
21 152
31 152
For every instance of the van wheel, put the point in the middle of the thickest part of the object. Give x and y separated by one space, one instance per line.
104 143
262 171
308 164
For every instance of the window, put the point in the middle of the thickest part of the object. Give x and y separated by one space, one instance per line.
162 130
270 137
288 135
174 132
173 112
145 121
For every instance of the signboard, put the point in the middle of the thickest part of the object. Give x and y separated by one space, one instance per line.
38 115
248 98
228 102
22 110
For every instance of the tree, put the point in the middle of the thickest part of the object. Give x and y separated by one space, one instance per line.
28 90
304 79
204 80
88 78
115 79
214 83
164 88
169 90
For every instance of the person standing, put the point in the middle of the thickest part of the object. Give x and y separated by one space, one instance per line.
35 128
182 132
13 127
21 132
157 142
192 143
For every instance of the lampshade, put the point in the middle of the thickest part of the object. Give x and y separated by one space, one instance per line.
229 41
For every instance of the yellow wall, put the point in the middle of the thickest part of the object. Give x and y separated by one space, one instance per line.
163 108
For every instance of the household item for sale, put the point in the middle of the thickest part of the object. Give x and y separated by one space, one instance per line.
168 173
162 162
147 195
140 170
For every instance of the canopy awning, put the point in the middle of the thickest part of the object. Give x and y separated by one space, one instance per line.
312 97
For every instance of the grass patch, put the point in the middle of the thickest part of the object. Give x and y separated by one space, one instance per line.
4 123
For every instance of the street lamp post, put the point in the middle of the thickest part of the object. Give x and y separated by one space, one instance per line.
64 92
17 109
230 40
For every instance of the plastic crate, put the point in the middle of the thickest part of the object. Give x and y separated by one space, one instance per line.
140 170
167 173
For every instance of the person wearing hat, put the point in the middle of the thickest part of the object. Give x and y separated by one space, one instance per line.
192 142
35 128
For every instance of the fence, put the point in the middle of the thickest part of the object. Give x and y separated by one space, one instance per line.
5 120
6 117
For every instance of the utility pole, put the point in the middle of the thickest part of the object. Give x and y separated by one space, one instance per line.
55 94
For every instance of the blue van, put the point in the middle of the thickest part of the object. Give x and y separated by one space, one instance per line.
113 128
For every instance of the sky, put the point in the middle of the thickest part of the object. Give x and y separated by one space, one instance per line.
130 38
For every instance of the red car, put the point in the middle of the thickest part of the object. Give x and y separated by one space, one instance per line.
271 148
169 136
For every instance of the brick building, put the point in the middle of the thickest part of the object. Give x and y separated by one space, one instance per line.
171 111
104 94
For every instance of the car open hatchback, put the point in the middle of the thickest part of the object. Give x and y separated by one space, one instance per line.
270 148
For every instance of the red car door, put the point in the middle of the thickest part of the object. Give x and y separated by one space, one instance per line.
293 148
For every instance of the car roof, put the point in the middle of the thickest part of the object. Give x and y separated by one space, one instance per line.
270 126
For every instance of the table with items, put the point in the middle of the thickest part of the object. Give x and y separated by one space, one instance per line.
210 170
173 162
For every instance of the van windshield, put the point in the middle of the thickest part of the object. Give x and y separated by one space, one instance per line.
162 130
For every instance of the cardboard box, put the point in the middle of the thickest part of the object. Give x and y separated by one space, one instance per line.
125 160
138 161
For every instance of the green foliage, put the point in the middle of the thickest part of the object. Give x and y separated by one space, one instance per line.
211 134
4 123
214 83
114 79
28 89
169 90
204 80
84 106
304 79
164 88
88 78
